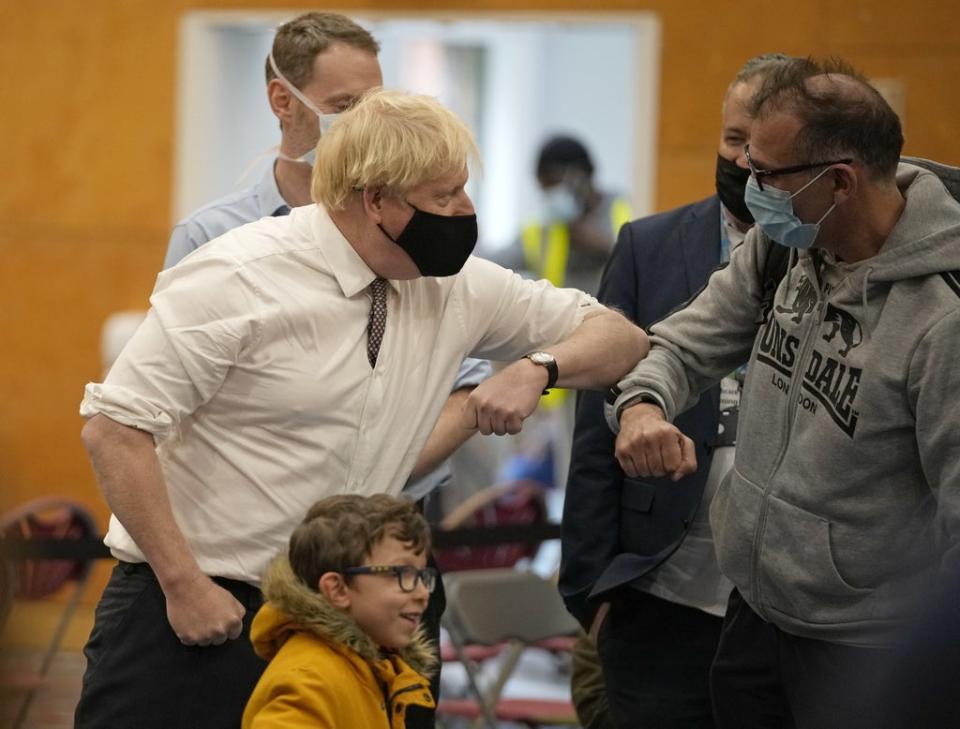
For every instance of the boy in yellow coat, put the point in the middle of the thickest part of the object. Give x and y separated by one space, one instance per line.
341 625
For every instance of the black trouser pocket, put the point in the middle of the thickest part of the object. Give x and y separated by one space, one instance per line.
140 676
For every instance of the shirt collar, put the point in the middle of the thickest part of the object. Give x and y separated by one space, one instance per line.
730 235
345 263
268 194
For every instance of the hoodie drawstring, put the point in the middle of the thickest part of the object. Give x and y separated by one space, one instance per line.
864 299
791 261
866 283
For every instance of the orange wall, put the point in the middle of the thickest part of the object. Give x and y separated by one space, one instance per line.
87 135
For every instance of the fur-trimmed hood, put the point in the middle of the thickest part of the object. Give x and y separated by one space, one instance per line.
293 607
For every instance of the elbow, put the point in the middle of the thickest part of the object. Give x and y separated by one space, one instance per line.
627 347
636 345
633 353
643 344
101 433
92 434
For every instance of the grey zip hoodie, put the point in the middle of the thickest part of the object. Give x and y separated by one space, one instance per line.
844 498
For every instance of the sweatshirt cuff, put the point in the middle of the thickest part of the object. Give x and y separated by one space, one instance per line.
618 400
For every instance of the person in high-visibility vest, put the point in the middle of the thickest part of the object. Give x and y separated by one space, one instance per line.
570 242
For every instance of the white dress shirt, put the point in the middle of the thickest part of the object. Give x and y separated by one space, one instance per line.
251 372
263 200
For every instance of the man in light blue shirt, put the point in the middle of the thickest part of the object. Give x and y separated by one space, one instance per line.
226 213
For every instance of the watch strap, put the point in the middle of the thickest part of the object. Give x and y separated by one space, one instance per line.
553 372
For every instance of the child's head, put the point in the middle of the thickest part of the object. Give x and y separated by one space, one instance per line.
343 533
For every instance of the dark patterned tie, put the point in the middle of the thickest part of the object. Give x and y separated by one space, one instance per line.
378 319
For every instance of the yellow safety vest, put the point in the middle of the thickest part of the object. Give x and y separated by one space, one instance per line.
546 249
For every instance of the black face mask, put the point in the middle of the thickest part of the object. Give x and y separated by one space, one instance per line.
438 244
731 183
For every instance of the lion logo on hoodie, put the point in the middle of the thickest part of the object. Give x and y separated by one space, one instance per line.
803 303
846 326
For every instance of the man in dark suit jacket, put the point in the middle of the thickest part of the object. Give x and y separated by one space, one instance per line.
638 567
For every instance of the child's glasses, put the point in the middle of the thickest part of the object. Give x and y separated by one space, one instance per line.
407 575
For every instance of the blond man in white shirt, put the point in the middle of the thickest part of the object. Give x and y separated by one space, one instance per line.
253 388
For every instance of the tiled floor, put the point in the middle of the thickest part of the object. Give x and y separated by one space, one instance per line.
53 703
52 707
22 647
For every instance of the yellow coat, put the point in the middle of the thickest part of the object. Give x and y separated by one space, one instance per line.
324 672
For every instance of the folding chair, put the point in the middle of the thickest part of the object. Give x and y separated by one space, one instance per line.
52 519
493 607
515 503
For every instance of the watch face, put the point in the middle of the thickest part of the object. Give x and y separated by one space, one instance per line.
541 358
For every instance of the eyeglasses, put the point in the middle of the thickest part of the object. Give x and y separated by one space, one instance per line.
407 575
759 174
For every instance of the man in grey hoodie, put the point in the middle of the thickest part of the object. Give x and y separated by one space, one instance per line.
843 506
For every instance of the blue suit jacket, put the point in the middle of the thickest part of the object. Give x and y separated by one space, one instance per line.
616 529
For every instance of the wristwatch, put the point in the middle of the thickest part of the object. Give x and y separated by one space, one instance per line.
545 359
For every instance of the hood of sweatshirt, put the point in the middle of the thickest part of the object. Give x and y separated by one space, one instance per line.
921 242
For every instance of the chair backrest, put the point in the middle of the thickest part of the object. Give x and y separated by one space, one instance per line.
491 606
47 519
516 503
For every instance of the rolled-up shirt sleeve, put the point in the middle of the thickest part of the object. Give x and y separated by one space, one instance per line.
510 316
203 316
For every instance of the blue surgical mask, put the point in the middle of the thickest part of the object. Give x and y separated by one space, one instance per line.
326 120
774 213
560 204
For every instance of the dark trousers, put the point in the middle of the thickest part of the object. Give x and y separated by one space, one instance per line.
418 717
140 676
764 678
656 659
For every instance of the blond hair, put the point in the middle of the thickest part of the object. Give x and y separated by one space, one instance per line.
392 140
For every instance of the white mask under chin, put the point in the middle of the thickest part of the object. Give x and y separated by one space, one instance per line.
325 120
310 156
307 158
